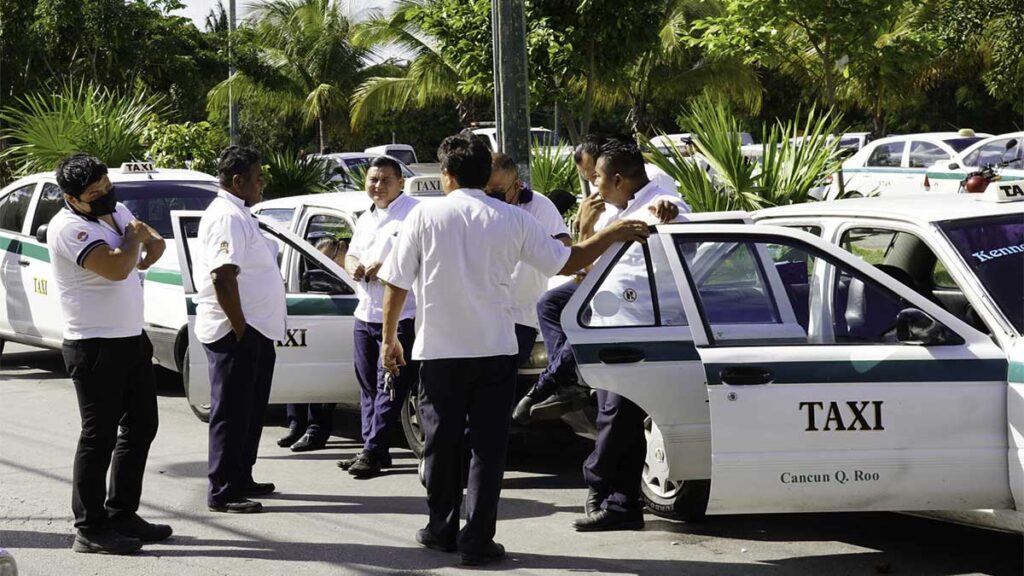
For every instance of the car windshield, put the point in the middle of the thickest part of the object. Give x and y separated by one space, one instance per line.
961 144
152 200
993 248
362 164
543 138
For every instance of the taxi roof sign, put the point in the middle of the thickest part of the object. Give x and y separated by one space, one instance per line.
426 185
138 168
1008 191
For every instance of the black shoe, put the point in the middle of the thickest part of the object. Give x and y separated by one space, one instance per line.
366 465
426 538
491 552
291 438
259 489
521 415
593 502
603 520
104 541
237 507
385 461
564 400
309 442
132 526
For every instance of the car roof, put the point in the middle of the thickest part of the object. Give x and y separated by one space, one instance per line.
988 139
914 208
116 175
355 201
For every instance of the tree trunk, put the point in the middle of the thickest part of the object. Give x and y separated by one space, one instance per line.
588 98
320 127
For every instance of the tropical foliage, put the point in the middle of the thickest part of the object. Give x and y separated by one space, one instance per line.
288 174
192 145
552 168
45 127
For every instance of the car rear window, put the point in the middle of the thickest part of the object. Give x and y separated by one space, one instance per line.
993 248
152 201
961 144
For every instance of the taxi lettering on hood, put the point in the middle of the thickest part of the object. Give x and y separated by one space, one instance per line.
843 416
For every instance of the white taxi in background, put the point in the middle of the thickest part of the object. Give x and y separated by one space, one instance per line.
897 164
30 307
1005 151
838 356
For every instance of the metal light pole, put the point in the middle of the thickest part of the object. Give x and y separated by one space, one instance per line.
511 87
232 103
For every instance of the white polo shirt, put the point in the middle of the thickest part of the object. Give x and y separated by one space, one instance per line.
458 254
375 235
230 234
660 178
528 283
627 282
93 306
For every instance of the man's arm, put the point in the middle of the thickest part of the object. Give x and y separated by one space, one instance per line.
391 353
587 251
154 245
354 268
225 285
116 264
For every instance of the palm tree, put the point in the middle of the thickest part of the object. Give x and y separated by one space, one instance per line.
304 62
672 70
429 77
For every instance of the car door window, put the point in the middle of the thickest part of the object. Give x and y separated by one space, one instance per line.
887 155
924 154
327 225
14 207
623 297
305 275
51 200
992 153
745 302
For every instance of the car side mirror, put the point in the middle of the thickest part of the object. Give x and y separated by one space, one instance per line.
323 282
953 165
914 326
1011 144
41 233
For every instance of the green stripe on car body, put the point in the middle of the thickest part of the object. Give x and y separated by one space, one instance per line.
164 276
1016 373
946 176
306 306
824 372
26 249
883 170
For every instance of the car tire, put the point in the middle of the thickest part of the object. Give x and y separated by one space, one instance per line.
201 411
410 417
853 194
685 500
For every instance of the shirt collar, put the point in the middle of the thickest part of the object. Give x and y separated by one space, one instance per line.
232 198
396 203
641 197
474 192
74 211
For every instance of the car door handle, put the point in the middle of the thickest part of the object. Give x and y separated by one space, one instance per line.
745 376
621 355
23 262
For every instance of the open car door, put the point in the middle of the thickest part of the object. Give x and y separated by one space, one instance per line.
315 360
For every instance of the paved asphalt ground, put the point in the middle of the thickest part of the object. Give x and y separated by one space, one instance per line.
324 522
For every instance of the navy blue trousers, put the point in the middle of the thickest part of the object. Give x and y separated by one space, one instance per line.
378 411
561 368
240 377
465 402
313 419
615 467
113 379
526 337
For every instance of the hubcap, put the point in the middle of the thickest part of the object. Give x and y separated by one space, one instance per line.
655 475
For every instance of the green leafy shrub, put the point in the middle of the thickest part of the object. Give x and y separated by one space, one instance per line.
44 127
551 168
288 175
195 145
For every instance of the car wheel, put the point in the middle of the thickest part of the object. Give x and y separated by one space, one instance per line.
202 411
665 497
853 194
411 422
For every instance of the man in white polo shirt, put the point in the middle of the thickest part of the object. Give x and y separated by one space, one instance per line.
459 253
528 283
374 237
613 470
240 312
95 247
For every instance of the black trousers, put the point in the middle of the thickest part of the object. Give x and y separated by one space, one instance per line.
317 420
615 467
465 401
113 379
240 377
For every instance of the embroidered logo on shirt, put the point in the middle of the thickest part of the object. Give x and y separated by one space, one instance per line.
223 247
82 236
629 295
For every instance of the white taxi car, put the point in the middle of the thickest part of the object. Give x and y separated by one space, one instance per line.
897 164
30 308
1005 149
783 372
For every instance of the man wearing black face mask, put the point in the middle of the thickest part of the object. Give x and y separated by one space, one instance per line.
95 246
